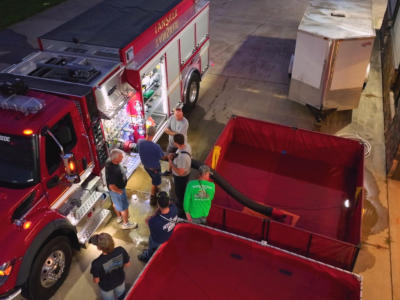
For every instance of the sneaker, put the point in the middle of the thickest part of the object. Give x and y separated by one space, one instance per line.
129 225
166 173
143 257
119 220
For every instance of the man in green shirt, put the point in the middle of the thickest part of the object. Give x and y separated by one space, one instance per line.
198 196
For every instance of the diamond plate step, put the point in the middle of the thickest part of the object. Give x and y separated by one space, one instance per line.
131 162
93 199
91 226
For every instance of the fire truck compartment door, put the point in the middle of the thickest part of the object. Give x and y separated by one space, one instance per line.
187 45
202 27
172 63
204 57
113 94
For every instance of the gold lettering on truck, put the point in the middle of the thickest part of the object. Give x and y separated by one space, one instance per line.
166 34
166 21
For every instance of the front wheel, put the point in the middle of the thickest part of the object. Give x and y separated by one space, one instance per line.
192 91
49 270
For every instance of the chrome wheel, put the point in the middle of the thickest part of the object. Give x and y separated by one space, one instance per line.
193 91
52 269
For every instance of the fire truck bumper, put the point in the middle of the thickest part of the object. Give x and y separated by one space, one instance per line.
10 294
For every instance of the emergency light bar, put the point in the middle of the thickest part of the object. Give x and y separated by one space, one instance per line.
24 104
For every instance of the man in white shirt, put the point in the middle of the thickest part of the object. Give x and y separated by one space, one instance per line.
180 164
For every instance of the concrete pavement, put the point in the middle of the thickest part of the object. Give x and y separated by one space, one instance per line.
251 44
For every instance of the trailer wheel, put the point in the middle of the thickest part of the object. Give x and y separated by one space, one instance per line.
192 91
49 270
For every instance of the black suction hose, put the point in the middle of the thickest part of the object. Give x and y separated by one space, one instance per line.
225 185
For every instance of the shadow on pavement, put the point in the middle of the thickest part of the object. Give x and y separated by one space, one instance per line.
262 58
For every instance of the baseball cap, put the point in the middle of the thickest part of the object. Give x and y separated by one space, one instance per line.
179 106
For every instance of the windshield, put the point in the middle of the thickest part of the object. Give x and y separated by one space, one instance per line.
18 161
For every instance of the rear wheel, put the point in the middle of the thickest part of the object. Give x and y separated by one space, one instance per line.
49 269
192 91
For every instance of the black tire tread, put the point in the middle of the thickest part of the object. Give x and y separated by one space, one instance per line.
32 289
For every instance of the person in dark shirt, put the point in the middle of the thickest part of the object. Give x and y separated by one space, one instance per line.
150 154
161 225
116 183
108 268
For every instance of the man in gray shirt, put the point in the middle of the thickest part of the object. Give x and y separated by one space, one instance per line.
177 123
180 164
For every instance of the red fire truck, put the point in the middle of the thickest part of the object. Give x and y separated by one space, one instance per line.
93 86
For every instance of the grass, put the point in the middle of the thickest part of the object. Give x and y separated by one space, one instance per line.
13 11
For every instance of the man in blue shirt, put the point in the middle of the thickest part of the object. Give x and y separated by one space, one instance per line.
161 225
150 154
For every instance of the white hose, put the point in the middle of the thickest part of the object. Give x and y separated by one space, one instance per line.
356 137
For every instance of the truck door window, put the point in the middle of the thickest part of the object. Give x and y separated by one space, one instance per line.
65 133
18 161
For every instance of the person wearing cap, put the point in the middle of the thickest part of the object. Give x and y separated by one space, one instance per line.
177 123
161 225
108 268
180 164
150 154
198 196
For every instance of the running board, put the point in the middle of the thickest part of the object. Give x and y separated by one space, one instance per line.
92 225
90 202
131 162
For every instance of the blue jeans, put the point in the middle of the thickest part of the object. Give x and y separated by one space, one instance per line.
153 245
120 201
118 292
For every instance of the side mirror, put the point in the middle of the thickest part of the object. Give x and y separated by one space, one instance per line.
53 181
71 168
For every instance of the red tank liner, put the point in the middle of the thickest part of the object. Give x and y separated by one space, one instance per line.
202 263
313 175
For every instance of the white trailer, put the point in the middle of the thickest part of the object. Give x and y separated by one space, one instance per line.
333 49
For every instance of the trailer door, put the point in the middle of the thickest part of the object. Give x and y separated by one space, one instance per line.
310 61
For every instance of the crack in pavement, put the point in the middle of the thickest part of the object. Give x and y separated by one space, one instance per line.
377 246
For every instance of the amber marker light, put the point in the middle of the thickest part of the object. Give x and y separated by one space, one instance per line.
6 272
27 225
27 131
71 166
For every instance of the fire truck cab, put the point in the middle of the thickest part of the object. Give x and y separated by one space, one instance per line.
95 85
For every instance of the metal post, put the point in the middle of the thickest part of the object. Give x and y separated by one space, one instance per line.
353 263
267 233
309 245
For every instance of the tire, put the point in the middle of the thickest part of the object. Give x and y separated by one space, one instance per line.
54 259
192 91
